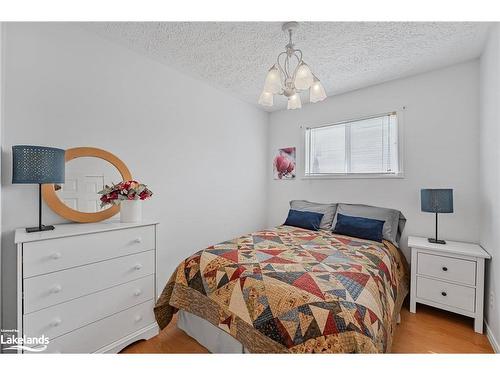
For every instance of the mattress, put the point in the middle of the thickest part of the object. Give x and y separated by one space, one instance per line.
290 290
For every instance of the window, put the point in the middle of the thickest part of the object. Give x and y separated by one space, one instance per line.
358 147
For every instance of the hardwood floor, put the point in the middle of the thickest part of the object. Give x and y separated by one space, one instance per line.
429 331
432 330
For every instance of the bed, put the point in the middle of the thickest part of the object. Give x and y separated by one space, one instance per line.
289 290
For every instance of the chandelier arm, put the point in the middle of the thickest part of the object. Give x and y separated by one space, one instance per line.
299 61
282 71
278 59
299 51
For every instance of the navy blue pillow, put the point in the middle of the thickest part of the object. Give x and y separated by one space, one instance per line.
361 227
304 219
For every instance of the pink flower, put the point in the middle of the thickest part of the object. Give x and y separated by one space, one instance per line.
282 163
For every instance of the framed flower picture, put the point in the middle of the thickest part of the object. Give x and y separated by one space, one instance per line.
284 164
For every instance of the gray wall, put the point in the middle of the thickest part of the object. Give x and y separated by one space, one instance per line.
490 174
440 149
199 149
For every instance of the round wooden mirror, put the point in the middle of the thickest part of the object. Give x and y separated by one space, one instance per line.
88 169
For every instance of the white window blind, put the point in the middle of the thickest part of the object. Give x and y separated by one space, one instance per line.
364 146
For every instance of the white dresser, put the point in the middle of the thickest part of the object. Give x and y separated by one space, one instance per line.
89 288
449 276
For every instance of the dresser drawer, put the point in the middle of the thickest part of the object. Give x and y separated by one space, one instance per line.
57 287
95 336
458 296
46 256
65 317
447 268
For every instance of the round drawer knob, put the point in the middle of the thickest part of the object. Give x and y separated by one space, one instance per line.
138 266
138 240
56 289
56 255
56 322
444 294
138 318
137 292
445 269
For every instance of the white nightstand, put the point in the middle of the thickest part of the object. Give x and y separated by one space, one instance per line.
450 277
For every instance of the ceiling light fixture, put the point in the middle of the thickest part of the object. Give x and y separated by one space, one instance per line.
291 75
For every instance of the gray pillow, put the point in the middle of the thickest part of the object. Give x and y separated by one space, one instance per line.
327 209
394 219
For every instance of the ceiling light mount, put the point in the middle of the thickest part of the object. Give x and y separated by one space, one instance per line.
291 75
290 26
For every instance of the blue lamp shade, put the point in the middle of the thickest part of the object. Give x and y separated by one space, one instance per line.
437 200
37 165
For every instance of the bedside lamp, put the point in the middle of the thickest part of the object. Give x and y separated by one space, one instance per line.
37 165
438 201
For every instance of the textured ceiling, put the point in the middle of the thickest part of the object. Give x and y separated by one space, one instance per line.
344 55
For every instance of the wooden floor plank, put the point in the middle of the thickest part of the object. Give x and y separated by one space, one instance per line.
429 331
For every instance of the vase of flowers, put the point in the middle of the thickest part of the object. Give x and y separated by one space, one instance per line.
129 196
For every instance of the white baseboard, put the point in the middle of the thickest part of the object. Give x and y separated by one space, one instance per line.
491 338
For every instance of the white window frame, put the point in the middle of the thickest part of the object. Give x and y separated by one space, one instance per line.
400 131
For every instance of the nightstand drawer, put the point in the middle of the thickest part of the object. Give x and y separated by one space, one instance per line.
458 296
447 268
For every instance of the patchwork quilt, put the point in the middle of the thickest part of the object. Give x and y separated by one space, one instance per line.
291 290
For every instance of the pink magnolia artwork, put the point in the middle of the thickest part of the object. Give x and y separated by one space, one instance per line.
284 164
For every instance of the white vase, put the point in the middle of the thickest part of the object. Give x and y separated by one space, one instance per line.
131 211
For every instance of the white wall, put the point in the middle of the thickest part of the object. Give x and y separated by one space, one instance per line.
201 151
490 173
440 150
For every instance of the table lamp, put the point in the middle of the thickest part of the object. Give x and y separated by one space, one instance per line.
438 201
37 165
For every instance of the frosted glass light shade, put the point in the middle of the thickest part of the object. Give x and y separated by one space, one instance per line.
294 102
317 91
304 77
266 99
273 81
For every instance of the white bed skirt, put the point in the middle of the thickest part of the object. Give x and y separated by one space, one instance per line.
211 337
